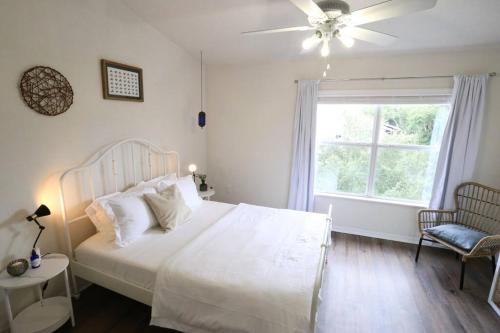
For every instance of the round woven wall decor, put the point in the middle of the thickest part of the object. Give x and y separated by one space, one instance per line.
46 91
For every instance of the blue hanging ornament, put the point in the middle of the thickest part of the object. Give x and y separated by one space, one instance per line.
202 116
202 119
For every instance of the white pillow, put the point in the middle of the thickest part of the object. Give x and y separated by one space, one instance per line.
187 187
164 184
153 182
131 216
101 214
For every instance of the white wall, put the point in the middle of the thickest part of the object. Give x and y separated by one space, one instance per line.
250 112
72 36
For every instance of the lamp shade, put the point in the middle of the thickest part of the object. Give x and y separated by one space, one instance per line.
40 212
192 167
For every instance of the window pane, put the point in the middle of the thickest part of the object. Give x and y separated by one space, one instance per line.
417 124
344 123
405 174
342 169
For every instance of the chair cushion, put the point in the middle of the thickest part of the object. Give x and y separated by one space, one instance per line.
457 235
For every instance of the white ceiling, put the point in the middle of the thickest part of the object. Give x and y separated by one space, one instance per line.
215 27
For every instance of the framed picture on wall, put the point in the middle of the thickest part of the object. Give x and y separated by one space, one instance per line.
121 82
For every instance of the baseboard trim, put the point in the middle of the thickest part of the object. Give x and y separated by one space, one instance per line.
375 234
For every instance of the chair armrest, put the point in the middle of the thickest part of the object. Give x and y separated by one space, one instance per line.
428 218
488 243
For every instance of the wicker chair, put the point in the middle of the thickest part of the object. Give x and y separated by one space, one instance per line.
475 222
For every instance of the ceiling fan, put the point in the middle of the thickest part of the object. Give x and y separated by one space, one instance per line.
331 19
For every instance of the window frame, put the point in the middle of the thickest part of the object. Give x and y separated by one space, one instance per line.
441 96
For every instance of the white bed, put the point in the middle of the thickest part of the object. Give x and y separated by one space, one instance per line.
179 273
139 262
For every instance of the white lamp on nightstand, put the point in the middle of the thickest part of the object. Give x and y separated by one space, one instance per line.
192 168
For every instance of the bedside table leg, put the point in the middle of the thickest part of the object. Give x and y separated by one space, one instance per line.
8 309
68 296
39 292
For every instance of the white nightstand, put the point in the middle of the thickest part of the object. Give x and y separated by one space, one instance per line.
205 195
48 314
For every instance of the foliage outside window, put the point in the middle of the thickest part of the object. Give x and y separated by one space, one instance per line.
384 150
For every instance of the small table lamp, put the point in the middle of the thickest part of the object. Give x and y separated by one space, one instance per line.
192 168
40 212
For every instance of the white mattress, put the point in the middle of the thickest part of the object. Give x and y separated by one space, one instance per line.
139 262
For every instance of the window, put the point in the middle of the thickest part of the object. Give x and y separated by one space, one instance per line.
379 147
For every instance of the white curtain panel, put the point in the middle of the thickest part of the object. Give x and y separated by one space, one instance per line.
301 196
459 149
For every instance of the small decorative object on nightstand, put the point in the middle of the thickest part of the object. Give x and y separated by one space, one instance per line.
205 195
17 267
203 184
48 314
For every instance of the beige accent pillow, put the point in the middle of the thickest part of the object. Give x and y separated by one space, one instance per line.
169 207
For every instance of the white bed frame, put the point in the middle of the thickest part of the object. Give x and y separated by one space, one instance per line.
115 168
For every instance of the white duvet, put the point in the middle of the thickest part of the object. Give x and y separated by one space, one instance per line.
251 271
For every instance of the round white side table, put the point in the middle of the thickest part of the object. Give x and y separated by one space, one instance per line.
205 195
48 314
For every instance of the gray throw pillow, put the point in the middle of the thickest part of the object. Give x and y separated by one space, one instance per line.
169 207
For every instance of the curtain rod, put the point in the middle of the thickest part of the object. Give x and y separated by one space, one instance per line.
492 74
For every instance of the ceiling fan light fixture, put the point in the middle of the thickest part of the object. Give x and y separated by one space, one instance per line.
334 19
325 50
310 42
346 40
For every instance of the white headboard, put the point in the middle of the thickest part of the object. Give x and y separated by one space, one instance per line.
114 168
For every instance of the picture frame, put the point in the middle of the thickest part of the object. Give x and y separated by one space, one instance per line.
121 82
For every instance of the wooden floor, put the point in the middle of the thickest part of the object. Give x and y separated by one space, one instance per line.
372 286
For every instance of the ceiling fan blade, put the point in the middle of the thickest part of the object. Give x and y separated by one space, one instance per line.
369 36
310 8
272 31
389 9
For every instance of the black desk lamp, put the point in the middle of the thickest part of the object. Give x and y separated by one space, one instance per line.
40 212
